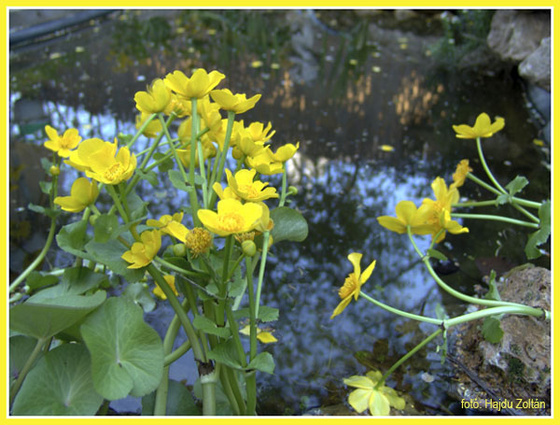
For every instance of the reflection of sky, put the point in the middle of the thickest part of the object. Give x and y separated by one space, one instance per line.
344 180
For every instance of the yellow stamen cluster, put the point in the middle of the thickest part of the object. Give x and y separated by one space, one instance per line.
199 241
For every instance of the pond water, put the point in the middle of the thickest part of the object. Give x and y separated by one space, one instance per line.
345 84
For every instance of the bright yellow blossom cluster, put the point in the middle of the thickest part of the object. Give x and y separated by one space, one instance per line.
433 217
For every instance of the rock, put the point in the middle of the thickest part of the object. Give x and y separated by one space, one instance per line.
518 367
515 34
535 68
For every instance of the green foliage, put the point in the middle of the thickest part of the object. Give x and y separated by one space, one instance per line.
289 225
180 402
493 293
109 253
463 32
60 384
140 294
127 354
539 237
46 317
178 182
491 330
21 348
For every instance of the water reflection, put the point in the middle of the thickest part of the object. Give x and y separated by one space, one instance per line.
343 91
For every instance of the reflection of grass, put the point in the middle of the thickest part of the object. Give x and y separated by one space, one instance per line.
463 32
228 35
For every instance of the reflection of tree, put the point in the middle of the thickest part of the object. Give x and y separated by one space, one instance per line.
340 201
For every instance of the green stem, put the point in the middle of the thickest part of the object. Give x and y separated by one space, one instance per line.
495 311
490 203
189 178
160 405
250 380
261 272
223 287
526 213
496 218
451 291
178 269
228 389
400 312
235 334
222 157
486 168
37 260
41 342
180 312
111 190
141 129
407 356
208 383
483 184
177 353
284 186
526 203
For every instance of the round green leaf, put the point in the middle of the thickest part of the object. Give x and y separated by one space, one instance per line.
289 225
60 384
127 354
46 317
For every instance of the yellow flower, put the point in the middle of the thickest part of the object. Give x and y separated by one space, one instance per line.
237 103
101 162
155 99
197 86
199 241
483 127
153 128
79 159
226 193
179 106
284 153
62 145
259 133
461 173
217 134
142 253
246 146
353 283
158 292
209 112
112 169
265 224
378 399
232 217
439 217
171 225
408 215
244 186
263 163
262 335
82 194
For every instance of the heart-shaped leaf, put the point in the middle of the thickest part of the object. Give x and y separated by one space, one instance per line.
127 354
49 316
60 384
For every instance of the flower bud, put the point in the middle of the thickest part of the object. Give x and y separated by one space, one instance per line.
249 248
179 250
54 170
292 190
